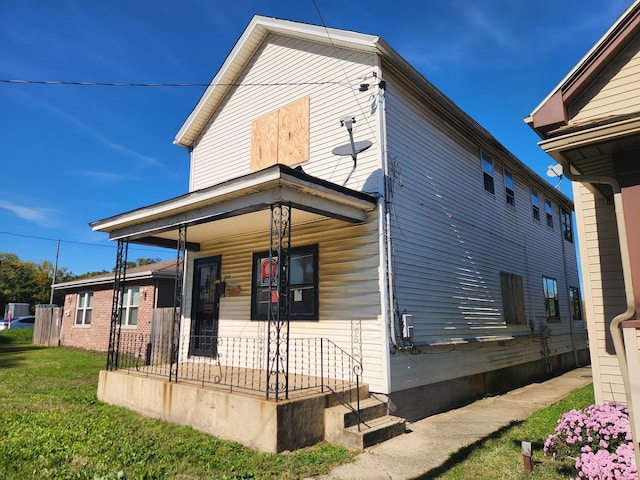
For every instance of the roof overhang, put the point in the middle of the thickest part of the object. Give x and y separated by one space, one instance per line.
237 205
552 111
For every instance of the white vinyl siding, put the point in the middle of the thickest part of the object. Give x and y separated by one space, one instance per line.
451 241
349 298
223 151
615 91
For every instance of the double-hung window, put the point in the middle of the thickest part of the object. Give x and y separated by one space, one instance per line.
487 172
509 188
567 226
549 210
535 205
551 303
130 301
303 284
83 310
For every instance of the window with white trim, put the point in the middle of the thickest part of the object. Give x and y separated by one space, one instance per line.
535 205
84 308
130 301
487 172
509 188
548 208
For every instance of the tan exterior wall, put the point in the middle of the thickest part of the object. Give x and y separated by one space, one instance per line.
614 92
631 205
604 287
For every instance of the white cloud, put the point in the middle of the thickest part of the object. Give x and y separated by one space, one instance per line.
41 216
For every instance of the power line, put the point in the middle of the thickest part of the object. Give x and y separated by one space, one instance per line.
128 84
69 241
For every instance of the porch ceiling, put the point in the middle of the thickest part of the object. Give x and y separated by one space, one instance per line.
237 206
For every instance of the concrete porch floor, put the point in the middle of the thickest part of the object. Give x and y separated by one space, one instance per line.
236 409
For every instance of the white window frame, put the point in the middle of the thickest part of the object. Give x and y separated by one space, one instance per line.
84 307
130 305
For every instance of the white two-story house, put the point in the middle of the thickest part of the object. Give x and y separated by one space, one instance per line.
336 194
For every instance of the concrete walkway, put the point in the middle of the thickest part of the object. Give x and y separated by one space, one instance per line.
433 440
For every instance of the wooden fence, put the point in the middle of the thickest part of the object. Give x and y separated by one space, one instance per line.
47 326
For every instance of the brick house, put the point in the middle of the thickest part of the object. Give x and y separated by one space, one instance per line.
88 304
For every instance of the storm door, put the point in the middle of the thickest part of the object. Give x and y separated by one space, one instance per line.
204 311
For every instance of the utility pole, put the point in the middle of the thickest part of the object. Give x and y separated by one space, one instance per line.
55 273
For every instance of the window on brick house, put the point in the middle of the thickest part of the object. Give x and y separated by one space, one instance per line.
84 308
130 306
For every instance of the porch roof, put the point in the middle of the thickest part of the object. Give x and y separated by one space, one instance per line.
237 205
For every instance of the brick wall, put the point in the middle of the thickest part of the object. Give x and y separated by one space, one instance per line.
96 335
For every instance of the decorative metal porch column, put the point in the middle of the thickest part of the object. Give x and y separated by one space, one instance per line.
278 311
177 304
116 304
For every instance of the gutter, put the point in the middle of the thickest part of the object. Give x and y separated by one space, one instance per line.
616 322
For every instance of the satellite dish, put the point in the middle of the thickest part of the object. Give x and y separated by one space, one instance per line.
554 171
348 149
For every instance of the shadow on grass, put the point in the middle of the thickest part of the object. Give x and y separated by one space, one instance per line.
12 345
462 454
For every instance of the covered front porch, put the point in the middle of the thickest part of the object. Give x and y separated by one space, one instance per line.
189 369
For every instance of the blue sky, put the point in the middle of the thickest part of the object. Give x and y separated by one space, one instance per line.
74 154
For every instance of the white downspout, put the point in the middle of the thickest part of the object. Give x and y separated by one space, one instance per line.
384 222
614 327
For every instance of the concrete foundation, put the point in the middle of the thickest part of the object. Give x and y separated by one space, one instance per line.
421 402
260 424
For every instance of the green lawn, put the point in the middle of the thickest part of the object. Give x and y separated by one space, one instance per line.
53 426
500 456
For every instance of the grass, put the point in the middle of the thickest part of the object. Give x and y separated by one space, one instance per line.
500 455
53 427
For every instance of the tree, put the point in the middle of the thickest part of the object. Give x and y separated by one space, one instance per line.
17 280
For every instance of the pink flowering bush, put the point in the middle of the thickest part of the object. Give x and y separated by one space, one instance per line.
599 439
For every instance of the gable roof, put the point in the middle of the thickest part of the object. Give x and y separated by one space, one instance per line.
165 269
255 33
551 113
261 27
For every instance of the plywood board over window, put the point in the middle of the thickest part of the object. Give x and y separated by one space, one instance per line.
281 136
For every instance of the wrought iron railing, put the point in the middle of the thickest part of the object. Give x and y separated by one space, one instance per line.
315 364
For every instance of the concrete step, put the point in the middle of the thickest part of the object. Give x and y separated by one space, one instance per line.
342 417
341 424
375 431
349 395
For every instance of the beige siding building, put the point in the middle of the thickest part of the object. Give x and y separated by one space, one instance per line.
590 123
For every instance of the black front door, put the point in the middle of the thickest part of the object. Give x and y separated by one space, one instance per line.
204 310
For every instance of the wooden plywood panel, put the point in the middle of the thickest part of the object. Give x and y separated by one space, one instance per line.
264 141
293 133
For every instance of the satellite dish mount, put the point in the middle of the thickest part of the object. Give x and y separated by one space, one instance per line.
352 148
